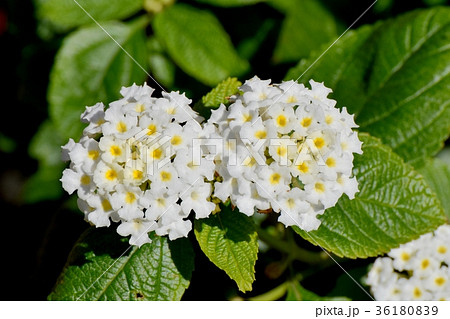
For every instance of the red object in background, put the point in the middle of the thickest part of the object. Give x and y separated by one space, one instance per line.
3 21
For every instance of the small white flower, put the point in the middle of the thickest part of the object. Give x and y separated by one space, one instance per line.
77 180
118 124
95 116
138 229
196 199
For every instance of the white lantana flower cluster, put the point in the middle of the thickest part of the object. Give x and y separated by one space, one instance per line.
133 165
280 147
287 148
418 270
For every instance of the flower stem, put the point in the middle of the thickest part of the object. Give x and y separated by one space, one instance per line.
290 248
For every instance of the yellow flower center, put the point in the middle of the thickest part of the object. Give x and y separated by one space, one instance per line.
121 127
442 249
319 187
281 150
306 121
106 205
281 120
405 256
439 281
319 142
93 154
85 180
291 99
424 264
274 178
329 119
331 162
115 150
176 140
130 198
417 292
137 174
151 129
246 117
260 134
303 167
111 174
139 108
165 176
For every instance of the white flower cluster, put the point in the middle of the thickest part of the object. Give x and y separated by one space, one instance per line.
418 270
280 147
133 165
287 148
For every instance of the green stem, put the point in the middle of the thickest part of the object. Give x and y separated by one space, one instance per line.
274 294
292 249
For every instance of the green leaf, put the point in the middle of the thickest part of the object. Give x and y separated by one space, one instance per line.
66 14
408 102
221 93
230 241
101 268
230 3
45 146
394 206
198 44
161 67
395 78
44 184
295 292
90 67
300 33
437 174
343 67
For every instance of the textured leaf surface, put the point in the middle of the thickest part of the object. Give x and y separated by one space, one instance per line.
90 67
96 270
230 241
437 174
408 102
343 67
394 206
198 44
221 92
397 79
66 14
300 33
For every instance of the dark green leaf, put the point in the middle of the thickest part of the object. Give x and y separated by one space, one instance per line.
198 44
295 292
45 146
230 241
437 174
67 14
394 206
408 94
101 268
90 67
300 32
396 79
161 67
343 67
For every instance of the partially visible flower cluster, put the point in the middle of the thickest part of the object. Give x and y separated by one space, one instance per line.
418 270
287 148
133 165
